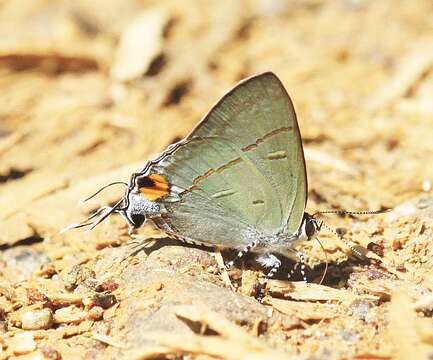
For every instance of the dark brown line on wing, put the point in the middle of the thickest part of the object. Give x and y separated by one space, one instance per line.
265 137
204 176
258 202
210 172
218 170
228 165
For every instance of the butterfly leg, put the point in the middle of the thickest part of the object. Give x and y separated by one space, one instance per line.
224 267
301 257
301 263
272 262
241 253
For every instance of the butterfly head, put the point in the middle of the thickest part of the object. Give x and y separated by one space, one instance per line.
140 200
138 203
310 227
130 211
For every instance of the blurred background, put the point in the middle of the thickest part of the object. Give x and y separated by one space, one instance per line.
90 90
89 87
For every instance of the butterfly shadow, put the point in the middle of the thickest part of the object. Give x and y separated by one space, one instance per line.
149 245
336 272
330 274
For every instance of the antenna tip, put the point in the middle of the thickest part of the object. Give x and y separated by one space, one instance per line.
341 231
81 202
69 227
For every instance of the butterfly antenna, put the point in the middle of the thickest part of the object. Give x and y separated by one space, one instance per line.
101 214
102 189
106 214
326 261
344 212
349 245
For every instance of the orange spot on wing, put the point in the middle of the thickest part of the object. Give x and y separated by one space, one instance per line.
154 187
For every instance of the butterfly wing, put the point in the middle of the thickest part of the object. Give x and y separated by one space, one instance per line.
242 166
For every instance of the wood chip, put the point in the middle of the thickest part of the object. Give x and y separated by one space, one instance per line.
230 349
224 274
313 292
37 319
22 343
304 310
108 340
140 43
70 314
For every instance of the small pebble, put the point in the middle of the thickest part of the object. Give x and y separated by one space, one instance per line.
77 275
360 309
34 296
95 313
22 343
51 353
376 248
70 314
108 286
396 245
37 319
104 300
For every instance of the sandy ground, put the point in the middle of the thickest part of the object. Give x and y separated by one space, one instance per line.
91 90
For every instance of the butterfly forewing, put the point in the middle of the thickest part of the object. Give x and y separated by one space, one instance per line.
241 167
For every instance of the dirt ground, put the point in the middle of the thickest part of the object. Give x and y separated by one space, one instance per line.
91 90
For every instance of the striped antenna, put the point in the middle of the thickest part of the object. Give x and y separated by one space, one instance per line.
103 188
350 246
344 212
99 216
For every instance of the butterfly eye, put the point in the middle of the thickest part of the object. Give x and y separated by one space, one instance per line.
137 220
310 228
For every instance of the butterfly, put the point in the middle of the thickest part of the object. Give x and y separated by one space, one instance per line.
237 181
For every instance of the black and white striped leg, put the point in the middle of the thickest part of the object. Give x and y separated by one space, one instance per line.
301 257
272 262
240 254
300 263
